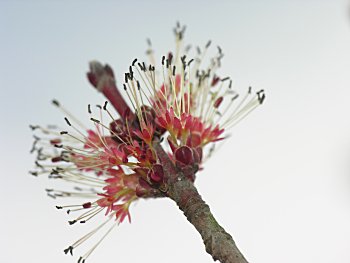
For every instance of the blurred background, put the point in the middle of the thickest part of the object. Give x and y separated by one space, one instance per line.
280 185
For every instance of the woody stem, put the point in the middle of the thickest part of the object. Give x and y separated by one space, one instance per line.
218 243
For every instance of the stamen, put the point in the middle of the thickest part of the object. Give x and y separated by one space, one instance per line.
99 242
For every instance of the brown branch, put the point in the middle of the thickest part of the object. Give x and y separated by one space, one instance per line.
218 243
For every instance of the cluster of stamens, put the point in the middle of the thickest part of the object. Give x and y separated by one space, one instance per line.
115 164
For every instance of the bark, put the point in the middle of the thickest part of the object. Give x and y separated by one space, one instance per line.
218 243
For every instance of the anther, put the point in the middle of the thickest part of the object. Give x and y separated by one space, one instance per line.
63 132
220 50
94 120
134 61
249 90
72 222
56 159
230 85
105 105
170 58
174 69
86 205
33 127
208 44
149 41
187 48
38 164
198 50
234 97
224 79
56 103
124 86
67 121
82 222
189 62
126 77
69 249
54 171
138 85
59 207
89 109
163 58
33 173
261 96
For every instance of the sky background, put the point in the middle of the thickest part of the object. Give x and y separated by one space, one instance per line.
280 185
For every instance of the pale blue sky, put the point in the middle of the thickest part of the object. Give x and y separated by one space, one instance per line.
280 185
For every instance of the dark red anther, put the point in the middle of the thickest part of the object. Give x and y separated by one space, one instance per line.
87 205
55 141
56 159
215 81
218 101
170 57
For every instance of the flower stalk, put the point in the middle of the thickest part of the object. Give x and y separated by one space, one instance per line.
218 243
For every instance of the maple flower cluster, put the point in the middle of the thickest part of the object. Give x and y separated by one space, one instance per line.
181 105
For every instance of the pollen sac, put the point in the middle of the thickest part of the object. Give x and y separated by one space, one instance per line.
215 81
218 101
87 205
56 159
55 141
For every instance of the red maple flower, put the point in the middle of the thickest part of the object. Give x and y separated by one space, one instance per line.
190 107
